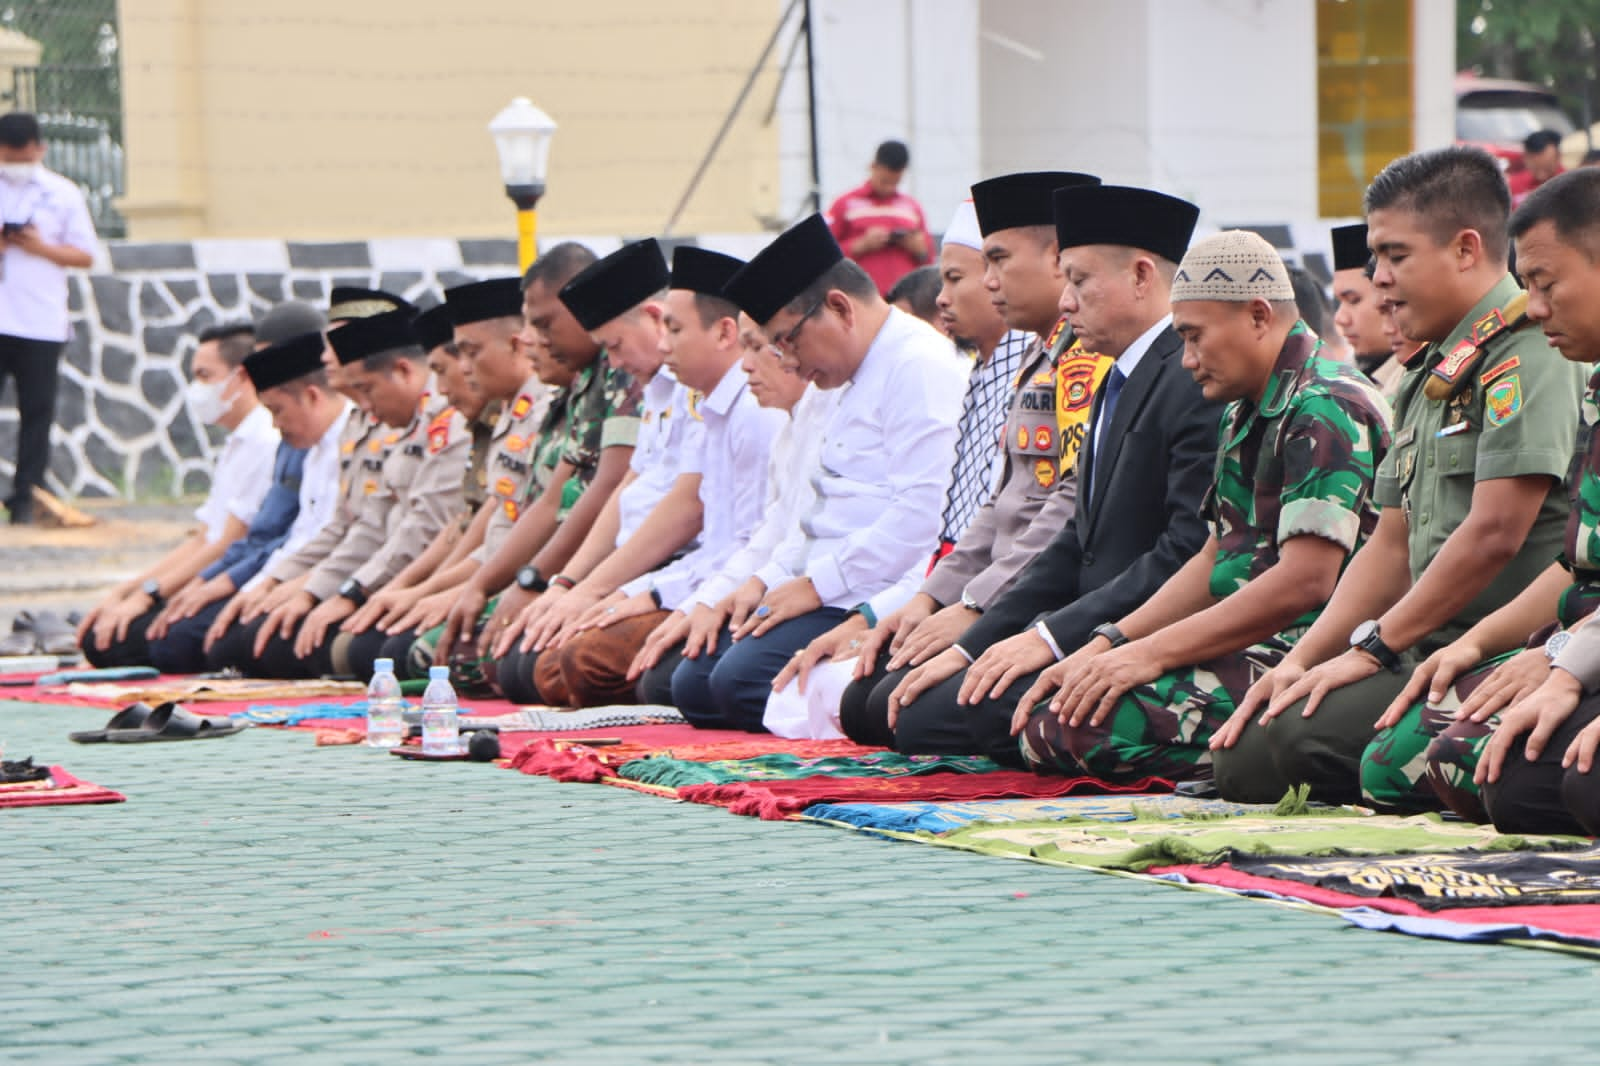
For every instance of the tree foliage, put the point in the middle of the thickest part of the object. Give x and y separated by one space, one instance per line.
1550 42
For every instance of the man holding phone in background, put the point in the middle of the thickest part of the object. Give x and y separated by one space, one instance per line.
880 227
46 231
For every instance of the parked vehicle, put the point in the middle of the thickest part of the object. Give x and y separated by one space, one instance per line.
1496 115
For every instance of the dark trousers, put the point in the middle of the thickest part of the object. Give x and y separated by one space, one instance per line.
182 650
277 660
728 689
935 724
864 704
131 650
36 368
1541 796
367 648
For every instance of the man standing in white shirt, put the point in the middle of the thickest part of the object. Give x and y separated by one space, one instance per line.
220 393
46 231
880 478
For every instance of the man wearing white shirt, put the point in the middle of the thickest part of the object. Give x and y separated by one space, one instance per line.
220 393
700 342
655 512
310 415
790 494
46 231
879 480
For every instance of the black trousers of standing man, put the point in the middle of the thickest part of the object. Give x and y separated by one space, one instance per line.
35 366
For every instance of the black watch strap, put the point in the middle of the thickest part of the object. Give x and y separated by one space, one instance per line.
1110 631
1372 643
152 588
353 591
530 580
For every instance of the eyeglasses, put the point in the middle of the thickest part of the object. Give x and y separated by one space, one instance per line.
784 343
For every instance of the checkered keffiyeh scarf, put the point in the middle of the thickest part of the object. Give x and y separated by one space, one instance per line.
983 418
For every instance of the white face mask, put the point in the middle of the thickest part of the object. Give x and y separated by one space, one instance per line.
18 173
207 401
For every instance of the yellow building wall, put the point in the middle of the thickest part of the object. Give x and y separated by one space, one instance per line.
346 119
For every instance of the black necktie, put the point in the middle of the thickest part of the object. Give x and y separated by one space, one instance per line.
1108 407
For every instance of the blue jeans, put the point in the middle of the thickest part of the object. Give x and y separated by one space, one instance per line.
728 688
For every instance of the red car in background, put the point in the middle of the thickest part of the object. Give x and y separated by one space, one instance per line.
1497 115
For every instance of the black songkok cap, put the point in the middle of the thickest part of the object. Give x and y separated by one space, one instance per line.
433 327
283 362
1121 215
483 300
701 271
355 340
782 270
616 284
287 320
1013 200
1350 250
347 302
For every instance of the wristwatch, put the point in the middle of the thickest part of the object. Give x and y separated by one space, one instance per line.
352 591
1367 638
969 603
1110 631
530 580
1558 640
152 588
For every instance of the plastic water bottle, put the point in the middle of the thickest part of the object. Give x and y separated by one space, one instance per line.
441 728
385 724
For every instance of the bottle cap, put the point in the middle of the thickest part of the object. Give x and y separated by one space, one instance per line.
438 673
383 666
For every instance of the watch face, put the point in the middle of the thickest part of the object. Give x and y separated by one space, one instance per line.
1557 641
1363 632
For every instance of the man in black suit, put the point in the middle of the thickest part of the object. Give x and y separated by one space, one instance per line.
1141 475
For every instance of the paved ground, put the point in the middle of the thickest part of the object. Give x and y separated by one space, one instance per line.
68 569
259 899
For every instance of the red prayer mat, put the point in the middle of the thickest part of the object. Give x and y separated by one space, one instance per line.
1567 924
59 789
568 759
774 800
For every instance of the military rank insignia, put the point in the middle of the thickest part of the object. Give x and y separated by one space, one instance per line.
1044 472
695 398
523 405
511 509
438 437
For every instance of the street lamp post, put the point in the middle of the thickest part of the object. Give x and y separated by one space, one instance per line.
522 135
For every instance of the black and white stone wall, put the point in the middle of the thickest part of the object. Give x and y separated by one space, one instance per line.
122 428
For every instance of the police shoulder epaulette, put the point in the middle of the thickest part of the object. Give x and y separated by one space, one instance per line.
1455 369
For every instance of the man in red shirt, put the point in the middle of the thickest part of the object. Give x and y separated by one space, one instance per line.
1541 159
879 226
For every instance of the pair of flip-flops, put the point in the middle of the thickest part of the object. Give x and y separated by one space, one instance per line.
138 723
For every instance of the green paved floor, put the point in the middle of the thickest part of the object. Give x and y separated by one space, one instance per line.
259 899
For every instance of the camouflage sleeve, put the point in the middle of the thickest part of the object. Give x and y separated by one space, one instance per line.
1330 451
624 395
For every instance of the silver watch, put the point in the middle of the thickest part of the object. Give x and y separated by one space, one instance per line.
1558 640
969 603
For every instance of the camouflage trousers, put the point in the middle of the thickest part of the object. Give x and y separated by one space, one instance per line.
470 674
1162 729
1425 762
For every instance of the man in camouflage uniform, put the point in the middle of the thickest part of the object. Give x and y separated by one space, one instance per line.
1473 506
1439 751
1290 502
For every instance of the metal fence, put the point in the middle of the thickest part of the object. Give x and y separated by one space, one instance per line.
76 91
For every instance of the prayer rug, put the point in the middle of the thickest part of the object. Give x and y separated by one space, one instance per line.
1498 918
676 770
786 799
1141 844
557 720
60 788
934 817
